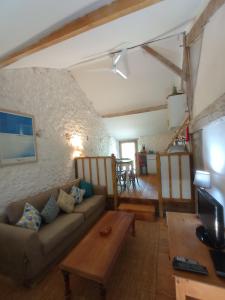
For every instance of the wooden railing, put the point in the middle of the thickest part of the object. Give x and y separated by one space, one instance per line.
99 170
178 132
175 180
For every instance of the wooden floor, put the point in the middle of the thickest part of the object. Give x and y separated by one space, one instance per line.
165 285
142 211
143 272
147 189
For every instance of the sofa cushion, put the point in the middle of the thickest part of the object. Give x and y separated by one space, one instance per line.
88 187
90 205
15 209
51 210
68 186
65 202
31 218
77 194
53 234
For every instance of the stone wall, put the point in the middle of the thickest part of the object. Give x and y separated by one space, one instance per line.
59 107
157 143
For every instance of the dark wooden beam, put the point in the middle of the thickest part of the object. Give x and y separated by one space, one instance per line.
198 27
136 111
103 15
165 61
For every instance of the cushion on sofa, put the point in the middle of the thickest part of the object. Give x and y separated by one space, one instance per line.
88 187
31 218
50 211
67 187
65 202
90 205
53 234
77 194
15 209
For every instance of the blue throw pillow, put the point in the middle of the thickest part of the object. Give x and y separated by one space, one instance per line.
50 211
88 187
31 218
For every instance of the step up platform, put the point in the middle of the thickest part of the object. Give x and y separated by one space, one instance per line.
142 211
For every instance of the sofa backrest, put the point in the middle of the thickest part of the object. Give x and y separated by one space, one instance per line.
67 187
15 209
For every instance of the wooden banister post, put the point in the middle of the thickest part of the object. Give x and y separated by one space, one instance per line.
75 168
159 185
115 194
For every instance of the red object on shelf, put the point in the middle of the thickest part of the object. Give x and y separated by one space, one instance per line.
187 134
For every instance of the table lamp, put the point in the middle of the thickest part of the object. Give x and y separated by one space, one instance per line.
202 179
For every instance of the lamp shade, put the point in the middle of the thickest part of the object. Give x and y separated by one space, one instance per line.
202 179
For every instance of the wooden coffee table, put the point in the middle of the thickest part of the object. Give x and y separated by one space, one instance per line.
94 257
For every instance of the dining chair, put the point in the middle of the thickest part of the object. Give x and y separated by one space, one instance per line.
121 178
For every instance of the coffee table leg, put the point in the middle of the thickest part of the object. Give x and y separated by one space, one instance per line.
102 291
66 277
133 228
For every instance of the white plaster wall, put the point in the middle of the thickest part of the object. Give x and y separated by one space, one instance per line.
211 75
213 145
157 143
59 106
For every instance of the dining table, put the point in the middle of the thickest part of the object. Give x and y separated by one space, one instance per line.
124 163
124 167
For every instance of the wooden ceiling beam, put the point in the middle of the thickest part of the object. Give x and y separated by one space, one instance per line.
100 16
198 26
165 61
136 111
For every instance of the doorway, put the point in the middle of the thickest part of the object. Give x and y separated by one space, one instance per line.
128 149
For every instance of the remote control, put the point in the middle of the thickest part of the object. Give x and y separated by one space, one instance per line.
186 264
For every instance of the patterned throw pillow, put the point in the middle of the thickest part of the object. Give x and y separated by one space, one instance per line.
88 187
77 194
50 211
30 219
65 202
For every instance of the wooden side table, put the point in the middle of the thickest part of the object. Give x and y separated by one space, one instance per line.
183 242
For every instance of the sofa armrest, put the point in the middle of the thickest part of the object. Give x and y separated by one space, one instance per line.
19 246
3 219
99 190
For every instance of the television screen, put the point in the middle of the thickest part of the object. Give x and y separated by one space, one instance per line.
210 212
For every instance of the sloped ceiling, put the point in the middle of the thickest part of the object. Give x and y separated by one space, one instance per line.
22 21
149 82
135 126
31 21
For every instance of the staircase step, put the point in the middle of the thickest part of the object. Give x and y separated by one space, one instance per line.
142 201
142 211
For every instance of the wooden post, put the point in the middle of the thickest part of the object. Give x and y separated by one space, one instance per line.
180 177
115 194
106 177
83 168
97 170
159 185
67 292
75 168
170 177
90 169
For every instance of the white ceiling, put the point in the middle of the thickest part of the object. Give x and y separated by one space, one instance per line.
30 19
135 28
149 82
135 126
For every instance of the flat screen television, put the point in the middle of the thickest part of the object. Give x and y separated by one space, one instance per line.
210 212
